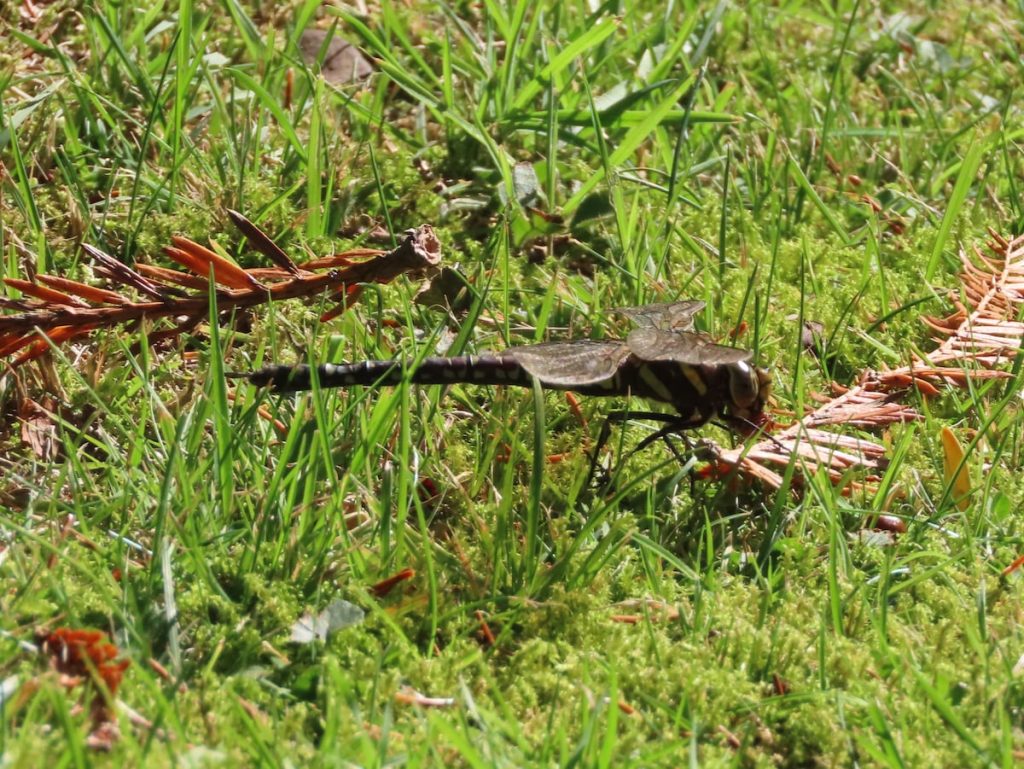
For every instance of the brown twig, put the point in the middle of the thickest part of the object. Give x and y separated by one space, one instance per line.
976 339
64 309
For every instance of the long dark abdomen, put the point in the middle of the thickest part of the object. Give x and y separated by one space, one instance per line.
487 370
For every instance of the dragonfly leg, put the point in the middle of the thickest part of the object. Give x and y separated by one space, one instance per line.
746 428
602 439
672 424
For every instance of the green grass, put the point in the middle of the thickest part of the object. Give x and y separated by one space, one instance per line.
706 151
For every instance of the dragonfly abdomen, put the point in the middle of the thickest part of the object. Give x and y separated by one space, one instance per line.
486 370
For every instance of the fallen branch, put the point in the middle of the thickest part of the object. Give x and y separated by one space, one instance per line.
977 338
64 309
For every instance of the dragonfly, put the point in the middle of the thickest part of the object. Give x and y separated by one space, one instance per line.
663 360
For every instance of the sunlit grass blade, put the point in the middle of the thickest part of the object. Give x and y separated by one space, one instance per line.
629 144
964 181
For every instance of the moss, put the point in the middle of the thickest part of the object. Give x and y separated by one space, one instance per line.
797 643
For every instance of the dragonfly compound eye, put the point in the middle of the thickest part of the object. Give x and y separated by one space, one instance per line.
745 383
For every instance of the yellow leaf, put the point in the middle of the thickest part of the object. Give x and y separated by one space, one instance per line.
955 469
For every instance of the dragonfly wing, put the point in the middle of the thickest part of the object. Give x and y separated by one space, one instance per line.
667 316
571 364
652 344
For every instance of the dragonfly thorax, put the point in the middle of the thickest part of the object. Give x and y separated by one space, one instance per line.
700 392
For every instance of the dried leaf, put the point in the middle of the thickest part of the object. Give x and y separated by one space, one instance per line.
81 656
812 337
225 272
38 429
653 611
342 61
1015 564
338 615
165 275
39 346
385 586
890 523
955 469
449 289
83 290
486 635
122 273
262 243
41 292
85 654
409 696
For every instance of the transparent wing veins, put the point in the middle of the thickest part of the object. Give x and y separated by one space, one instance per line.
651 344
571 364
667 316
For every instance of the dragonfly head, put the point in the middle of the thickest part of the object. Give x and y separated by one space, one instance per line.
749 388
